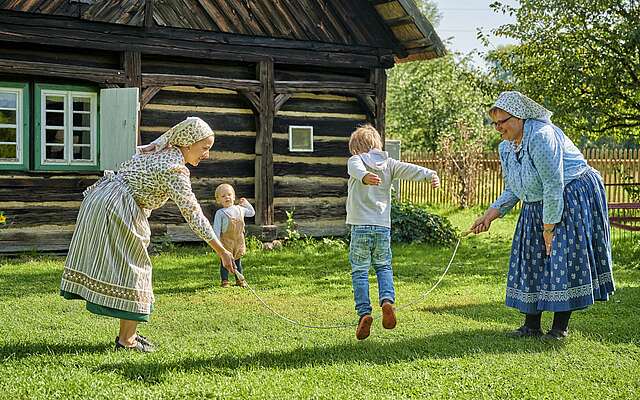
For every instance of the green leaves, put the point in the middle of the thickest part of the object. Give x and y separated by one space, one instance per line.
411 223
581 59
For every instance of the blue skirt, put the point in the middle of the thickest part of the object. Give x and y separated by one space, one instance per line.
578 272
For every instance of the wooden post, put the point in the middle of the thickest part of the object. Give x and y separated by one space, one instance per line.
148 14
380 81
264 148
132 66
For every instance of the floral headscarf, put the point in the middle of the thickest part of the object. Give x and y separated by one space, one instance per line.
520 106
184 133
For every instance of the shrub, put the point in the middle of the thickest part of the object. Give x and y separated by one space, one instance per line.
411 223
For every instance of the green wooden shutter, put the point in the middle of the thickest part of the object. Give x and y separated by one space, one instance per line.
118 126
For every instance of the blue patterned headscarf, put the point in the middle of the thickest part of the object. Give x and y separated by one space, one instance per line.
520 106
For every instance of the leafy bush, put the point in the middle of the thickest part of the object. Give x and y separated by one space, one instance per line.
411 223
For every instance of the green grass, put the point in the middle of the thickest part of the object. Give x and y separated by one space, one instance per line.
221 343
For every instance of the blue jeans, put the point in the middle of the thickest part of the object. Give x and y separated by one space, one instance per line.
224 273
370 245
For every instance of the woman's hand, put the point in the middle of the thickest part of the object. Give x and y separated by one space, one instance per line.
225 255
227 261
371 179
435 181
483 223
548 233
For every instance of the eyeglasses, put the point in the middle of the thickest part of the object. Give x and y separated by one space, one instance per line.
500 122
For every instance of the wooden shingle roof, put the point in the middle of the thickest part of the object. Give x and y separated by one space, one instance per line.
391 24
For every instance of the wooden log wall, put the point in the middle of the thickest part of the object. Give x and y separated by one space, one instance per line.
313 185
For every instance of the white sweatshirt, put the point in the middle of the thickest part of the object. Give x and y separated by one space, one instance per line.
369 204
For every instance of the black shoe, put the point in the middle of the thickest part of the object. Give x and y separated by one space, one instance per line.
556 334
525 331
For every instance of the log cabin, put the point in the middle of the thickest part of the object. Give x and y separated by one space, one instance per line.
283 83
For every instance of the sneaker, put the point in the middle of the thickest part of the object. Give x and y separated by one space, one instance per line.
139 346
241 283
525 331
556 334
388 315
364 327
225 284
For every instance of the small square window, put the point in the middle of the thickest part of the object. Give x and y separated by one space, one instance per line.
301 138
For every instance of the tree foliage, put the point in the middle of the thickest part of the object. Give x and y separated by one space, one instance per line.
427 100
580 58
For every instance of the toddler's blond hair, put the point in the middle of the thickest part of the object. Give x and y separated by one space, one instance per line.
363 139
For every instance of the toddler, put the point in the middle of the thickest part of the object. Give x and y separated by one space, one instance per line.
228 225
371 172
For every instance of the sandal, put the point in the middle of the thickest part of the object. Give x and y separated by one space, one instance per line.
139 346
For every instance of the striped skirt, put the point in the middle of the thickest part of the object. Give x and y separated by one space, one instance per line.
108 264
578 271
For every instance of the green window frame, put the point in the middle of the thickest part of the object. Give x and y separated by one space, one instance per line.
21 126
67 132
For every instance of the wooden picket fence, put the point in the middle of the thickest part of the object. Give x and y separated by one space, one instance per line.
619 168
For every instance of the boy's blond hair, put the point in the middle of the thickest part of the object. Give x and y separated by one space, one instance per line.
221 187
363 139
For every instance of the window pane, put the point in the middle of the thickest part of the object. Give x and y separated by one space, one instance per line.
8 151
81 104
81 137
54 153
55 136
8 100
81 153
55 102
55 119
81 120
7 134
7 117
301 138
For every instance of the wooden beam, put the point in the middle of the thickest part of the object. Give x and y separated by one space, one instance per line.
264 146
252 98
368 103
205 81
147 95
324 87
39 29
132 65
279 102
148 14
405 20
92 74
380 79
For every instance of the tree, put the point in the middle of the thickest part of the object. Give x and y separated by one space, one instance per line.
581 59
427 100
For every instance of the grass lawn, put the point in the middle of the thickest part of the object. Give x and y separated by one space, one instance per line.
221 343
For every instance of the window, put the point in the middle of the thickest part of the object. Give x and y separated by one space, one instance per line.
14 128
66 131
301 138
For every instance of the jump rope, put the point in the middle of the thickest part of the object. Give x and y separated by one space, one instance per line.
351 325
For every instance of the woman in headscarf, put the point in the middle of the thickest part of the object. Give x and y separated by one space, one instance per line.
108 265
561 251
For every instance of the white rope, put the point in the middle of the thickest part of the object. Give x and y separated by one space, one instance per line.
350 325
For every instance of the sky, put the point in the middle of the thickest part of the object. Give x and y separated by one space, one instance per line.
459 20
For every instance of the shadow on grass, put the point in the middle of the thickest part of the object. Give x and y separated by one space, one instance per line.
439 346
614 321
17 351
